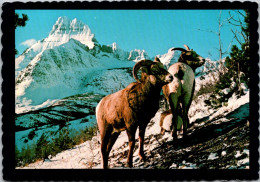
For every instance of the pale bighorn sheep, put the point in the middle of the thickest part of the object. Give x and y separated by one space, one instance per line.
180 91
131 107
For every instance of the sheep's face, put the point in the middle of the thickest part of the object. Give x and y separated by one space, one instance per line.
158 75
192 59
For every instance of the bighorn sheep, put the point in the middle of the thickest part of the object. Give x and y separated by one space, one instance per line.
166 121
131 107
180 91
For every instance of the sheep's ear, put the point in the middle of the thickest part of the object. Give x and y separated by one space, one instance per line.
187 48
156 59
188 53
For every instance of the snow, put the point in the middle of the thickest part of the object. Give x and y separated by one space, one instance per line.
137 55
212 156
233 103
66 63
223 153
173 166
169 58
27 107
87 154
65 29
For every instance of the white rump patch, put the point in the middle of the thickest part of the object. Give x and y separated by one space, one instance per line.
168 121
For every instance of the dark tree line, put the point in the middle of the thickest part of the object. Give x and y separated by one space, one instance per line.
20 22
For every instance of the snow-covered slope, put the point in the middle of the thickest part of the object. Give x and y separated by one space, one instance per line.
67 61
170 57
137 55
63 30
216 141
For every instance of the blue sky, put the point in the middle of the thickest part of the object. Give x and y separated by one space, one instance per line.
152 30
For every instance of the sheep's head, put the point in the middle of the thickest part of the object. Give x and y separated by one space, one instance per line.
154 71
190 57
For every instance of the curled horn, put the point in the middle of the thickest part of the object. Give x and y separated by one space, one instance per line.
179 49
138 66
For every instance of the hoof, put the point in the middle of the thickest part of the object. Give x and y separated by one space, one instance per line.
174 135
185 138
142 157
105 167
130 165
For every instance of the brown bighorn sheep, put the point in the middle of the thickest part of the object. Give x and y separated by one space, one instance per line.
180 91
131 107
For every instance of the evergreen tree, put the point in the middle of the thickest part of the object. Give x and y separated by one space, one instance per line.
20 22
238 65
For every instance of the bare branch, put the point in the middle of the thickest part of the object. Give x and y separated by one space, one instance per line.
240 13
228 19
241 33
236 37
236 20
209 31
233 24
229 45
232 17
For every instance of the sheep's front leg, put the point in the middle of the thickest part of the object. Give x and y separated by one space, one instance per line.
131 137
141 142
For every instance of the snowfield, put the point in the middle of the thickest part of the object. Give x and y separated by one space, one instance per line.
87 155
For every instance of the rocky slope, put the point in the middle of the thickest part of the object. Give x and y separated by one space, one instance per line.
217 139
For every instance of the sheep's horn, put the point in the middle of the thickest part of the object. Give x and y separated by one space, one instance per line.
186 47
138 66
179 49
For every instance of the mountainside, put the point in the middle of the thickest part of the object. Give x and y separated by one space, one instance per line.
217 139
63 30
170 57
64 63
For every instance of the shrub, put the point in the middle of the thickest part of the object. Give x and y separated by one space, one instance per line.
64 139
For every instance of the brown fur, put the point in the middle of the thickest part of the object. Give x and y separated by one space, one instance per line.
130 108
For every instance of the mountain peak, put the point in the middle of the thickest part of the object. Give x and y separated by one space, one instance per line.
65 29
65 25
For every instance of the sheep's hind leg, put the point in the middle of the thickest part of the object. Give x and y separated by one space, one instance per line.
131 137
185 108
189 103
141 142
106 134
112 141
174 108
